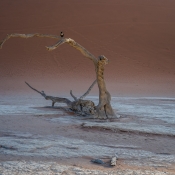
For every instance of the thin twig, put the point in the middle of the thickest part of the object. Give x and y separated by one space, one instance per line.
75 98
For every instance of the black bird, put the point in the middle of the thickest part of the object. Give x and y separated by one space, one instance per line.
62 34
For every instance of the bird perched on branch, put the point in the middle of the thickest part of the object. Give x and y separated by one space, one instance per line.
62 34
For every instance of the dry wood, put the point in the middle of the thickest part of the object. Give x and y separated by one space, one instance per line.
79 106
53 99
86 93
77 46
75 98
14 35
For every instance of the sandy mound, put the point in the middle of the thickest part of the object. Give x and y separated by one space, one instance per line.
136 36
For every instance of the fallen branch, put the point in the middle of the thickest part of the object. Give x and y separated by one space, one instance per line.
53 99
79 106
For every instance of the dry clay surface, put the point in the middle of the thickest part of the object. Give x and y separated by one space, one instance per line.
53 168
35 138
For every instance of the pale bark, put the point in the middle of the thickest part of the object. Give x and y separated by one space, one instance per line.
15 35
86 93
53 99
77 46
104 109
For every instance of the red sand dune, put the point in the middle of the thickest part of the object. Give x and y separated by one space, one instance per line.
137 36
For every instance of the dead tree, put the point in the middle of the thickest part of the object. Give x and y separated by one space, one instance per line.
103 109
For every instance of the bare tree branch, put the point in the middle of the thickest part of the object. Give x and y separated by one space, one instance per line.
53 99
75 98
77 46
60 42
86 93
13 35
42 92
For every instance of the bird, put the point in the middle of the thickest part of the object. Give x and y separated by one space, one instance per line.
62 34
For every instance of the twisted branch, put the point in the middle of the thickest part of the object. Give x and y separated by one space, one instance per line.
50 48
53 99
42 92
87 92
77 46
13 35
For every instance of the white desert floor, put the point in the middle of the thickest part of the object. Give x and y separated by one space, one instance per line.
37 139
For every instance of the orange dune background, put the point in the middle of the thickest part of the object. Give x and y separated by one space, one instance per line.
137 36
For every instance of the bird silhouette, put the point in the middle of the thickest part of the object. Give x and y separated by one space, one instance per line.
62 34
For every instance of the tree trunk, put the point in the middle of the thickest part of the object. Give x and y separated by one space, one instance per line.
104 109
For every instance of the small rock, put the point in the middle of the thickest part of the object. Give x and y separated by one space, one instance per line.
113 161
118 116
98 161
